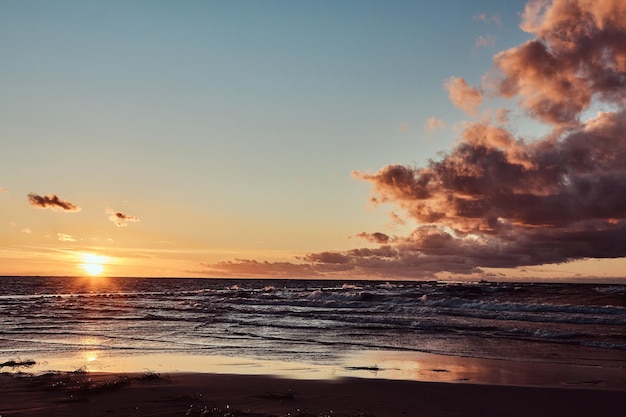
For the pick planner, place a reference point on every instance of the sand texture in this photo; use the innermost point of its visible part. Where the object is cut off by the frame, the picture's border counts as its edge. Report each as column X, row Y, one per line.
column 88, row 394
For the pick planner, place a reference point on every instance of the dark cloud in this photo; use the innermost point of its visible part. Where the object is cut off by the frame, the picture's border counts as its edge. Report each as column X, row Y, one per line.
column 120, row 219
column 243, row 268
column 484, row 183
column 51, row 201
column 328, row 258
column 375, row 237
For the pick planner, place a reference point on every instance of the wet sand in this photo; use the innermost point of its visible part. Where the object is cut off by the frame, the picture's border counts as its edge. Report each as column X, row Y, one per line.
column 189, row 394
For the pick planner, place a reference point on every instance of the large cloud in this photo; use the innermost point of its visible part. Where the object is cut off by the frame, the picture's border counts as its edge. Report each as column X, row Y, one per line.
column 51, row 201
column 579, row 54
column 491, row 180
column 499, row 200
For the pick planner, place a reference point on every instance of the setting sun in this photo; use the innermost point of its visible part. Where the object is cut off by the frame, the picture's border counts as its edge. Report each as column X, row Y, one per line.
column 93, row 264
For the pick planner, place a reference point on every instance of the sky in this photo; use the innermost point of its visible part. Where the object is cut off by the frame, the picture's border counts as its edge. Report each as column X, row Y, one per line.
column 328, row 139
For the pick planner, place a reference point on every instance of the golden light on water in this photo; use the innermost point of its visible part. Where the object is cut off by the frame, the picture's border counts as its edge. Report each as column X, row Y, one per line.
column 93, row 264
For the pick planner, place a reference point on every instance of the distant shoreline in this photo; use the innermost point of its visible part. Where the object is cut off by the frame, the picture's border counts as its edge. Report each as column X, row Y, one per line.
column 569, row 280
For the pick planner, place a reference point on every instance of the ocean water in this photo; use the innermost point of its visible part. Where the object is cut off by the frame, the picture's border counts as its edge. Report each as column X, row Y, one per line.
column 319, row 323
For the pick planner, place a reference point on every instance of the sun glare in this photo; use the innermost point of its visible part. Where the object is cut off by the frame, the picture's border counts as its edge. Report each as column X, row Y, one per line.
column 93, row 264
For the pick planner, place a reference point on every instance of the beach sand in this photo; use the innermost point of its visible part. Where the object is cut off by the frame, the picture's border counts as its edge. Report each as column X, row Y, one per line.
column 200, row 394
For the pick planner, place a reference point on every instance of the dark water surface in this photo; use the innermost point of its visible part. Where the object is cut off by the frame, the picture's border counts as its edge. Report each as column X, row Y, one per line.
column 308, row 321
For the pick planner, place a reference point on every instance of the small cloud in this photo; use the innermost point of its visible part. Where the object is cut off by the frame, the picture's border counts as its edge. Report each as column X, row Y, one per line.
column 375, row 237
column 432, row 124
column 4, row 190
column 483, row 17
column 396, row 219
column 27, row 231
column 404, row 126
column 487, row 41
column 12, row 224
column 464, row 96
column 51, row 201
column 503, row 116
column 120, row 219
column 65, row 238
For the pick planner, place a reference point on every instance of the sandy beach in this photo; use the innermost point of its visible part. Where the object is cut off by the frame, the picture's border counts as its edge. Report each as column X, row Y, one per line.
column 189, row 394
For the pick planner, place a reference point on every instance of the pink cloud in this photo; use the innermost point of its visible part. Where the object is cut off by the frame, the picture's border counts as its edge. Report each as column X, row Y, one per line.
column 579, row 54
column 463, row 96
column 483, row 17
column 487, row 41
column 432, row 124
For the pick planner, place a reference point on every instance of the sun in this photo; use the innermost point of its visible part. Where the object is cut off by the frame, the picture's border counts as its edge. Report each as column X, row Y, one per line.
column 93, row 264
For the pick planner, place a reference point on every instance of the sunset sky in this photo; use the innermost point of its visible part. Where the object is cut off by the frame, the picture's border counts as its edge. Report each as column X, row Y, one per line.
column 293, row 139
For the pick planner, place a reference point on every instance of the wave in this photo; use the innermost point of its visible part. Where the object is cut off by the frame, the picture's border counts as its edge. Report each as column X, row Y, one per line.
column 321, row 318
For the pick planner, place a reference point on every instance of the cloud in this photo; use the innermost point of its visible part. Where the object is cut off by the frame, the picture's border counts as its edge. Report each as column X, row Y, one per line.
column 243, row 268
column 483, row 17
column 376, row 237
column 27, row 231
column 4, row 190
column 463, row 96
column 51, row 201
column 578, row 54
column 396, row 219
column 487, row 41
column 432, row 124
column 499, row 200
column 65, row 238
column 120, row 219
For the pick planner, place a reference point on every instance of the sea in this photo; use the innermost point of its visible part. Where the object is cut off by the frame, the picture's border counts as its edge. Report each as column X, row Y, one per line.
column 409, row 330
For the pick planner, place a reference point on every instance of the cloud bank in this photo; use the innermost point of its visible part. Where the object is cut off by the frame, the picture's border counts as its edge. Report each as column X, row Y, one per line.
column 500, row 200
column 52, row 201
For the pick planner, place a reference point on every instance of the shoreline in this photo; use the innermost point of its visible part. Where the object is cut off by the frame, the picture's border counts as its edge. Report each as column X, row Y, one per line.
column 366, row 364
column 205, row 394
